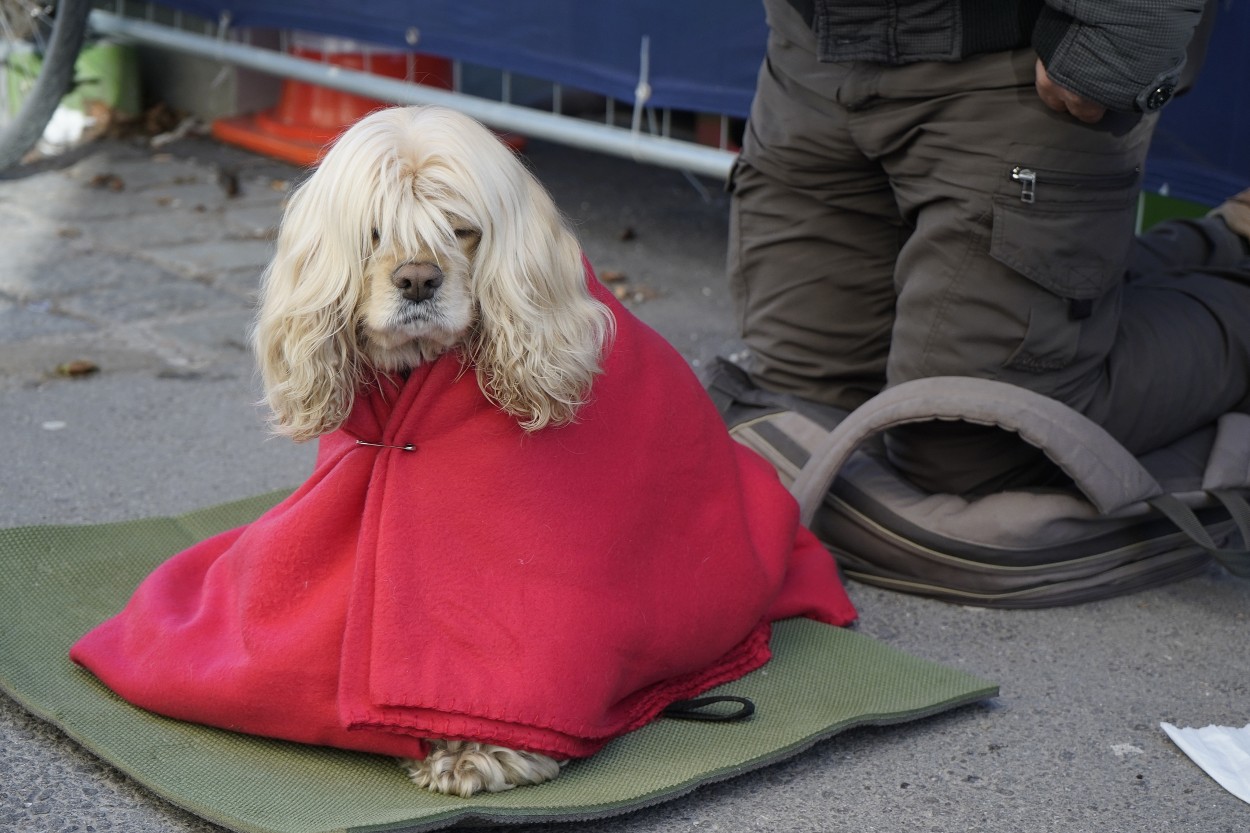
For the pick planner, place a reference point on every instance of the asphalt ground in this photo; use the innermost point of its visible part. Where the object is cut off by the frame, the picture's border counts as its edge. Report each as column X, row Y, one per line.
column 144, row 263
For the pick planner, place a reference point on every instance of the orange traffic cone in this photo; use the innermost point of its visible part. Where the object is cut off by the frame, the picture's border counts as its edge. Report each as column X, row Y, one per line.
column 308, row 117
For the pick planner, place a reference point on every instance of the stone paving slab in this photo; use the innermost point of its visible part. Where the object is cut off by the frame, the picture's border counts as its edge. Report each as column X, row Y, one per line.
column 21, row 322
column 154, row 270
column 208, row 259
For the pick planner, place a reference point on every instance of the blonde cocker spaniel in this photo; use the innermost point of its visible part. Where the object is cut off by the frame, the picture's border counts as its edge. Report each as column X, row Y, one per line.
column 421, row 233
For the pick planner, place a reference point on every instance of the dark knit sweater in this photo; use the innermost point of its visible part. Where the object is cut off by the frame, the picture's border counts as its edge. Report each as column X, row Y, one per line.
column 1125, row 55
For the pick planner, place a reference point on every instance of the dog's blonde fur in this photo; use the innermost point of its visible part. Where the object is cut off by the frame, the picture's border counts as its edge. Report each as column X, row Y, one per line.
column 420, row 233
column 425, row 184
column 460, row 768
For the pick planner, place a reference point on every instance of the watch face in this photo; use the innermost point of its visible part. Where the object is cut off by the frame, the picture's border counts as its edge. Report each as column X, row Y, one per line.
column 1159, row 96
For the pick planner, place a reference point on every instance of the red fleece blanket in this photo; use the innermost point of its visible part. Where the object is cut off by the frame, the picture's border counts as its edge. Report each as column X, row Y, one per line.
column 546, row 592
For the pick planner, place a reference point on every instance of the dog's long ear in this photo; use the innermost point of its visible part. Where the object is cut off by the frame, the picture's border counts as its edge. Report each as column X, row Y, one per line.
column 304, row 337
column 541, row 335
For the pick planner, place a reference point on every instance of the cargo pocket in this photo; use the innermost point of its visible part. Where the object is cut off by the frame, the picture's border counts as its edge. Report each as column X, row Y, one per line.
column 1065, row 221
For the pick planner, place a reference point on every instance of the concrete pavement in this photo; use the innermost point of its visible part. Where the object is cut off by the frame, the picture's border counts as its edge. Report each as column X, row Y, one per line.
column 144, row 264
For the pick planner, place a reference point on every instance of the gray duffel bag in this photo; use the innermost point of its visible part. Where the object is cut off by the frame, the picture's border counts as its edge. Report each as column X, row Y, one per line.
column 1128, row 523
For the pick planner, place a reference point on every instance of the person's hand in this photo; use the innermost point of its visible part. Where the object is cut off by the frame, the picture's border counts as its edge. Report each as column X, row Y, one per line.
column 1062, row 100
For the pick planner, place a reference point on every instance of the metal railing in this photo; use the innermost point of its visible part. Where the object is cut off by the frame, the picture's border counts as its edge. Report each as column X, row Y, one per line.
column 652, row 147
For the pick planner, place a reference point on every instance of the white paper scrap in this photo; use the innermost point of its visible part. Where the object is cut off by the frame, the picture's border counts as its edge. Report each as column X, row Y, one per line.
column 1222, row 751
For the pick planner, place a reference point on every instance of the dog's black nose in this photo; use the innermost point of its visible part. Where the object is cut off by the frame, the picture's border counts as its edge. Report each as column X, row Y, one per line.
column 418, row 281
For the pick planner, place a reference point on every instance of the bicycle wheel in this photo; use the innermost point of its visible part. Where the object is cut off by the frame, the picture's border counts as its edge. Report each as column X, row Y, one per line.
column 39, row 43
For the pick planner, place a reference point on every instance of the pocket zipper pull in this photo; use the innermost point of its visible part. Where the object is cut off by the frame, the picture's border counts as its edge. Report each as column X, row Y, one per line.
column 1028, row 183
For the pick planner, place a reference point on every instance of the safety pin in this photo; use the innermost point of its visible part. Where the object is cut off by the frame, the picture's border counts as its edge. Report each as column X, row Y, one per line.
column 408, row 447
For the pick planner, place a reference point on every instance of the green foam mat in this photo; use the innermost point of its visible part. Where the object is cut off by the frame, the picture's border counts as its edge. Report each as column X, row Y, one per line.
column 60, row 581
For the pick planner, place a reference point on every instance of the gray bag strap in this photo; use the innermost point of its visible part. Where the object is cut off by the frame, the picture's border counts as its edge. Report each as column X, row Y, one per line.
column 1228, row 467
column 1235, row 560
column 1105, row 472
column 1227, row 476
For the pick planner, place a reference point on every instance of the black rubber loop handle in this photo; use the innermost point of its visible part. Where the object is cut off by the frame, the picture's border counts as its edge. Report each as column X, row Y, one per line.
column 694, row 709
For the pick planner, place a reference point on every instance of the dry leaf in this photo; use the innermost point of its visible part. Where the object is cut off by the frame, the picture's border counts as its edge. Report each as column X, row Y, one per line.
column 107, row 181
column 77, row 368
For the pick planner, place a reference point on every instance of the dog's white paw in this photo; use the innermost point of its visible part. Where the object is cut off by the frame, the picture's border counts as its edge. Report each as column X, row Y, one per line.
column 454, row 767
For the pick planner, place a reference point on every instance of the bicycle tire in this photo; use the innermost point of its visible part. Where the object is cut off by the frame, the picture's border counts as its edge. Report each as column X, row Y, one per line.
column 56, row 74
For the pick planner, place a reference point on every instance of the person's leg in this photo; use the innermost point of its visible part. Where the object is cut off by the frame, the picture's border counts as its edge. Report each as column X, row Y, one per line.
column 990, row 285
column 1176, row 246
column 1182, row 353
column 1015, row 271
column 814, row 232
column 1016, row 234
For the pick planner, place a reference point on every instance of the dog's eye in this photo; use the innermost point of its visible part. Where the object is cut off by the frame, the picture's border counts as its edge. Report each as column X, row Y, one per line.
column 376, row 237
column 465, row 233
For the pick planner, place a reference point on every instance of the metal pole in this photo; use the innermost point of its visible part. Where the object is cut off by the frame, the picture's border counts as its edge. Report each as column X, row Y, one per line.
column 603, row 138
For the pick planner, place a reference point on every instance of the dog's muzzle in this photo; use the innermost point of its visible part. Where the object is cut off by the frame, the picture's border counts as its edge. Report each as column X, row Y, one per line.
column 417, row 282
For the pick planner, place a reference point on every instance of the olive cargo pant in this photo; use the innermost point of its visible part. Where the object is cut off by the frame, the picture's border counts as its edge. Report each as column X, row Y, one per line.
column 890, row 223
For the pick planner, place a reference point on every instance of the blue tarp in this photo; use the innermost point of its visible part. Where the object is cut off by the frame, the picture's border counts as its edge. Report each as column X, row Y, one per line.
column 704, row 55
column 1201, row 149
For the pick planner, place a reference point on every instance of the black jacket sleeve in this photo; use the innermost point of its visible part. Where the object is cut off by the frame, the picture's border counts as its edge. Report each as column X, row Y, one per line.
column 1124, row 54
